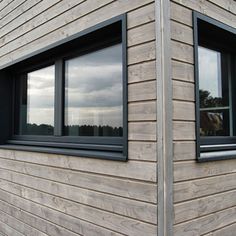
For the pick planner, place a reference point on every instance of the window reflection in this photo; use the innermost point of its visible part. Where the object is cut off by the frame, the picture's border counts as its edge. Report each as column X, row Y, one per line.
column 93, row 93
column 37, row 102
column 213, row 93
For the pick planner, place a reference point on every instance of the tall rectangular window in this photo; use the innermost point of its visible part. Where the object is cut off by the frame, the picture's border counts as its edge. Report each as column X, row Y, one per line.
column 215, row 67
column 93, row 93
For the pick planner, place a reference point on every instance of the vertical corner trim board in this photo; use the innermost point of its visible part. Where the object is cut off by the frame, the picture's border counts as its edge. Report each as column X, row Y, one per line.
column 164, row 117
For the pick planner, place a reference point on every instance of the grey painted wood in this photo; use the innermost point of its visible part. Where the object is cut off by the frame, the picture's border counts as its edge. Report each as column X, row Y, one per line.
column 141, row 15
column 141, row 111
column 164, row 118
column 102, row 183
column 182, row 71
column 113, row 221
column 141, row 34
column 182, row 33
column 20, row 226
column 207, row 223
column 203, row 206
column 141, row 72
column 126, row 207
column 142, row 151
column 198, row 188
column 50, row 218
column 142, row 91
column 181, row 14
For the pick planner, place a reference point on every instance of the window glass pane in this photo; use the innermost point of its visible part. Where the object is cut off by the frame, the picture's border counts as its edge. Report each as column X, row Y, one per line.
column 37, row 102
column 213, row 94
column 93, row 93
column 214, row 123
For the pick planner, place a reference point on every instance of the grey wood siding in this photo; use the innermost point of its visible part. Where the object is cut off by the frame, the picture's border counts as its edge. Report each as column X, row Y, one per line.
column 204, row 193
column 46, row 194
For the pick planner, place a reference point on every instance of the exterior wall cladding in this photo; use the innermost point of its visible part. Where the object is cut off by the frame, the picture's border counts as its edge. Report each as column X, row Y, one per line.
column 59, row 195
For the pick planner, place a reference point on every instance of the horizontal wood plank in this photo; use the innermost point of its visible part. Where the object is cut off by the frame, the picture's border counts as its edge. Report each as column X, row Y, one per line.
column 182, row 71
column 142, row 91
column 184, row 150
column 183, row 111
column 142, row 72
column 198, row 188
column 182, row 52
column 183, row 130
column 102, row 183
column 47, row 219
column 139, row 131
column 141, row 34
column 141, row 111
column 141, row 16
column 181, row 33
column 206, row 224
column 183, row 91
column 204, row 206
column 193, row 170
column 209, row 9
column 20, row 226
column 142, row 150
column 126, row 207
column 90, row 214
column 181, row 14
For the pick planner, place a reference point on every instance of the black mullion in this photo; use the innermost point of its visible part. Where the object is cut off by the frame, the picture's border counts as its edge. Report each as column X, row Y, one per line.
column 59, row 98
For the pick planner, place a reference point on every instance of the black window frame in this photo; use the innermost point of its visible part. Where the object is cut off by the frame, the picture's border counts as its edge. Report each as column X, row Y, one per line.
column 102, row 35
column 219, row 147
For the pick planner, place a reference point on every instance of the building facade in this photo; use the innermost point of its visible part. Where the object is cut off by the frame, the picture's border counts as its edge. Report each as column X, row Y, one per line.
column 156, row 175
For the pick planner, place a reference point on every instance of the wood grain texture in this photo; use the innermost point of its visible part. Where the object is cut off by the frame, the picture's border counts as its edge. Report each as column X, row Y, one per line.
column 36, row 222
column 182, row 52
column 49, row 220
column 227, row 231
column 141, row 111
column 142, row 72
column 141, row 16
column 192, row 170
column 181, row 14
column 182, row 71
column 7, row 230
column 184, row 151
column 142, row 150
column 206, row 224
column 183, row 130
column 141, row 53
column 209, row 9
column 142, row 91
column 126, row 207
column 16, row 13
column 19, row 226
column 182, row 33
column 183, row 111
column 145, row 131
column 183, row 91
column 198, row 188
column 132, row 169
column 114, row 222
column 203, row 206
column 102, row 183
column 141, row 34
column 228, row 5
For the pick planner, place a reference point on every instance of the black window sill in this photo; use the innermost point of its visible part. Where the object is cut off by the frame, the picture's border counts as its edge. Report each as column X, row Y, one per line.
column 98, row 154
column 217, row 152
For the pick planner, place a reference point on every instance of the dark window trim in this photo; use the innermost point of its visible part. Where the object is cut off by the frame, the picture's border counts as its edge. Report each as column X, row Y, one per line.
column 209, row 148
column 115, row 148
